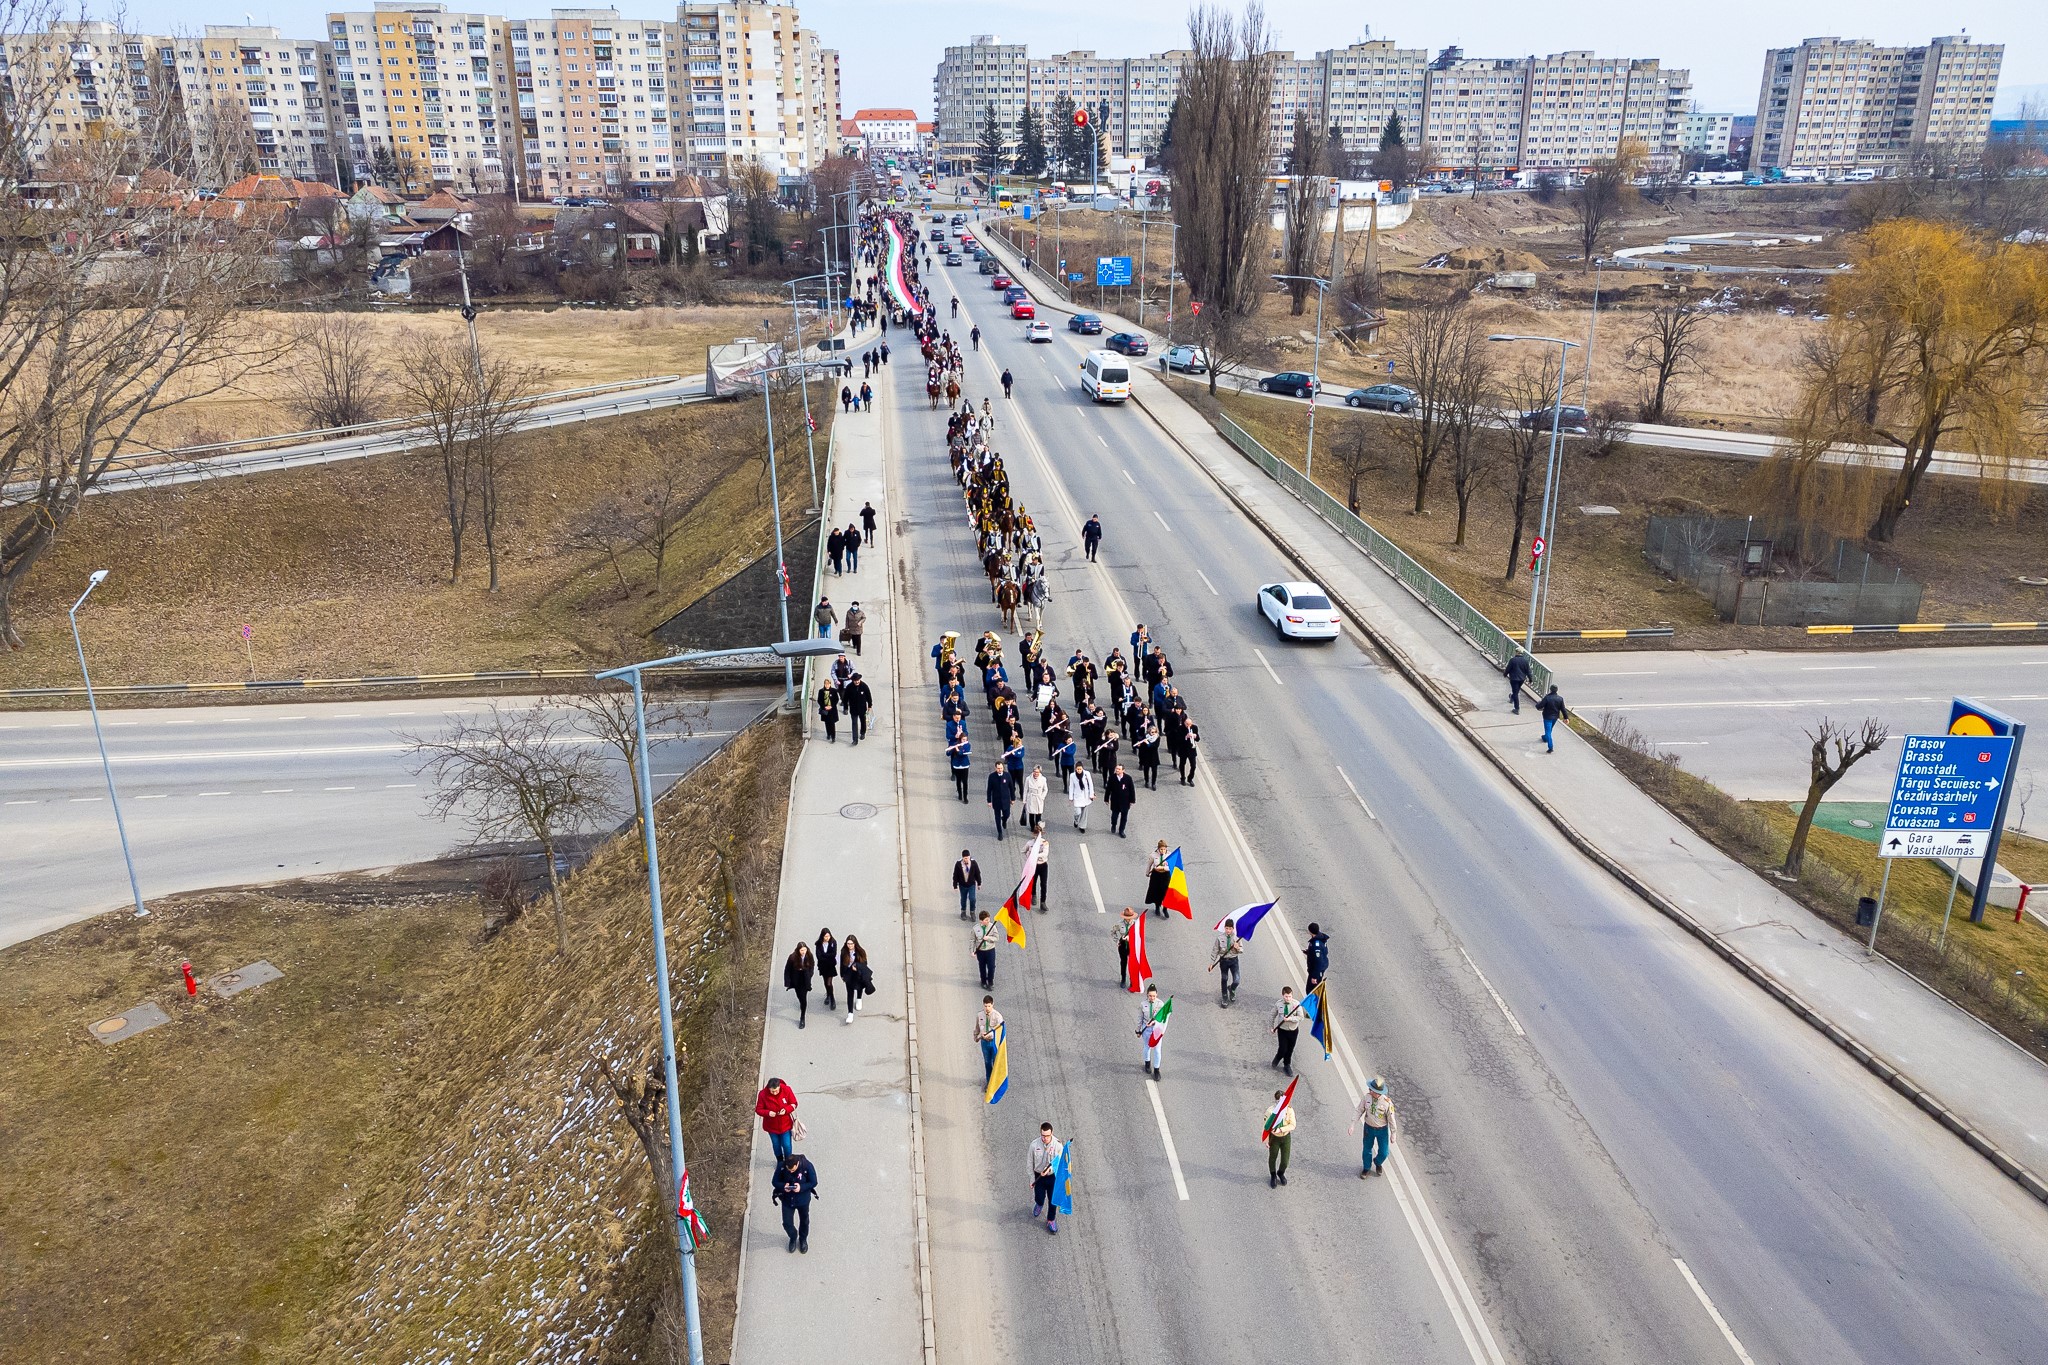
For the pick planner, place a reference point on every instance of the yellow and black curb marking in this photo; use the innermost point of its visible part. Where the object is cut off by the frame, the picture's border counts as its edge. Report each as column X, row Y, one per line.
column 1918, row 627
column 1636, row 634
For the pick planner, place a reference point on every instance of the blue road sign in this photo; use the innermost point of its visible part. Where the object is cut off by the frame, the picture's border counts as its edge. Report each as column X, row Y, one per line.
column 1111, row 270
column 1945, row 799
column 1966, row 717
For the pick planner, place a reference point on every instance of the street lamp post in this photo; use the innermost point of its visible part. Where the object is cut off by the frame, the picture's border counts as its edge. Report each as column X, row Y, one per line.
column 810, row 435
column 1546, row 521
column 775, row 496
column 1315, row 382
column 99, row 576
column 685, row 1243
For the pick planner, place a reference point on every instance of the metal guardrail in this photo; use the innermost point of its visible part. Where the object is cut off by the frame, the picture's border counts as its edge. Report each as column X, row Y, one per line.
column 1489, row 639
column 378, row 680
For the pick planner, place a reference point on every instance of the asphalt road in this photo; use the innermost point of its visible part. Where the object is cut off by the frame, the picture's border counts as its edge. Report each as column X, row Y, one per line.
column 1605, row 1130
column 222, row 796
column 1738, row 718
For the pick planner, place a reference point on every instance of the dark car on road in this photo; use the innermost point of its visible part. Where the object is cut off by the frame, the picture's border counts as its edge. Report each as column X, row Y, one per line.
column 954, row 258
column 1289, row 381
column 958, row 219
column 1015, row 292
column 1127, row 343
column 988, row 265
column 1085, row 323
column 1569, row 418
column 1382, row 397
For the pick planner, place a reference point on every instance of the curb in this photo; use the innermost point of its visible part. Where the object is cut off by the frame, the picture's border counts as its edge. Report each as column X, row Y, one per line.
column 2029, row 1180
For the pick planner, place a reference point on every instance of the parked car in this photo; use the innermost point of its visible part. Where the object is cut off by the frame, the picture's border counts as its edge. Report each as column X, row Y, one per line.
column 955, row 258
column 1037, row 331
column 1382, row 397
column 1001, row 281
column 1023, row 308
column 1087, row 324
column 1127, row 343
column 1186, row 359
column 1289, row 381
column 1299, row 610
column 988, row 265
column 1569, row 418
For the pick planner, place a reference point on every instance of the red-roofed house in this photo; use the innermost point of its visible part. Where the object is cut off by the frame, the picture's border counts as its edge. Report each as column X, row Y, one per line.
column 888, row 130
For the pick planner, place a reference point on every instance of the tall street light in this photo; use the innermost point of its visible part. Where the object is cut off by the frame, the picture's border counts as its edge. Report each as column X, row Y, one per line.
column 1315, row 382
column 810, row 435
column 1546, row 521
column 99, row 576
column 685, row 1243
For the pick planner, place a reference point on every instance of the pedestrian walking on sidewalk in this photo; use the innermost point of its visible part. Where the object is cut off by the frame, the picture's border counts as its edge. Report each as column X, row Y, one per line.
column 827, row 948
column 835, row 548
column 1045, row 1160
column 1279, row 1142
column 1091, row 535
column 858, row 698
column 1517, row 671
column 867, row 521
column 1316, row 956
column 999, row 799
column 1122, row 794
column 1224, row 953
column 987, row 934
column 1287, row 1018
column 967, row 881
column 796, row 1185
column 1040, row 863
column 1081, row 793
column 796, row 976
column 845, row 398
column 1035, row 787
column 1123, row 946
column 828, row 710
column 855, row 626
column 1158, row 875
column 855, row 972
column 1552, row 709
column 988, row 1027
column 1151, row 1013
column 849, row 540
column 960, row 753
column 1376, row 1112
column 825, row 615
column 776, row 1104
column 867, row 397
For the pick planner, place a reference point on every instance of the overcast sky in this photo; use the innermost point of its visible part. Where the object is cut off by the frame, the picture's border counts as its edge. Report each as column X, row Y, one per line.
column 889, row 48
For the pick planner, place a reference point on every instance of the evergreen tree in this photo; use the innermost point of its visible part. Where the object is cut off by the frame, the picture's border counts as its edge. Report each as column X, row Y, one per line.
column 988, row 152
column 1391, row 135
column 1301, row 151
column 1062, row 136
column 1030, row 143
column 1337, row 156
column 1162, row 155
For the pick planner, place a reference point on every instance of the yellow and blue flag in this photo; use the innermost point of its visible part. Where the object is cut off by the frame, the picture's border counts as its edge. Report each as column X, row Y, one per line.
column 1177, row 886
column 999, row 1074
column 1062, row 1177
column 1321, row 1027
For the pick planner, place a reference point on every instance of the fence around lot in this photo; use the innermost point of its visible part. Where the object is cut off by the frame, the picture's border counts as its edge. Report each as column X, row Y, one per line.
column 1840, row 585
column 1482, row 634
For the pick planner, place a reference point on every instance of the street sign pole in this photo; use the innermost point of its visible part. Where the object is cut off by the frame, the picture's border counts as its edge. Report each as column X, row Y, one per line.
column 1948, row 802
column 1967, row 717
column 1878, row 918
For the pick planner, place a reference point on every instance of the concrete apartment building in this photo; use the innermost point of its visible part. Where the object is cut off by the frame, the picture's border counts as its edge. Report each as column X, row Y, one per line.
column 594, row 110
column 425, row 97
column 972, row 76
column 1473, row 112
column 1706, row 134
column 1841, row 104
column 761, row 87
column 1578, row 108
column 251, row 92
column 83, row 79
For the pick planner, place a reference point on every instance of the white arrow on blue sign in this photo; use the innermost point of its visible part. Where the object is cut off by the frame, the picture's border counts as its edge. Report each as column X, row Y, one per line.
column 1945, row 798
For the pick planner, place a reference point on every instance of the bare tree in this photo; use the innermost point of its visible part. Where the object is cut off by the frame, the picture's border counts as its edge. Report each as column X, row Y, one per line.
column 1523, row 389
column 516, row 773
column 1606, row 423
column 668, row 493
column 1358, row 452
column 504, row 394
column 606, row 527
column 337, row 377
column 1302, row 214
column 1600, row 200
column 1467, row 414
column 607, row 712
column 1836, row 749
column 1432, row 352
column 1665, row 347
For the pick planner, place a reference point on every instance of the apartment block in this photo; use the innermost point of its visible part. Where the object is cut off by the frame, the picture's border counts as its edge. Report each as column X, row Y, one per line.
column 79, row 82
column 1578, row 108
column 1706, row 134
column 761, row 87
column 593, row 94
column 257, row 101
column 1365, row 84
column 972, row 76
column 1473, row 112
column 1836, row 104
column 425, row 97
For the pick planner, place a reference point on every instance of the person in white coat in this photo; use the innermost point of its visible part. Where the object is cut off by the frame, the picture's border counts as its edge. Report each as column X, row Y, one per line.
column 1080, row 791
column 1035, row 787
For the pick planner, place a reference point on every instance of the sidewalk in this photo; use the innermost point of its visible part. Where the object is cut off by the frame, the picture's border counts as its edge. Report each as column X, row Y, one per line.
column 858, row 1287
column 1983, row 1087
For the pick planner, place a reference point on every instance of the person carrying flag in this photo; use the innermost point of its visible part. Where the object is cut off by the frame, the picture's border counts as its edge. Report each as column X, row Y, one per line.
column 1224, row 953
column 1153, row 1015
column 1321, row 1025
column 1138, row 969
column 988, row 1031
column 1048, row 1155
column 1279, row 1135
column 1376, row 1112
column 987, row 933
column 1011, row 914
column 1287, row 1017
column 1176, row 897
column 1122, row 934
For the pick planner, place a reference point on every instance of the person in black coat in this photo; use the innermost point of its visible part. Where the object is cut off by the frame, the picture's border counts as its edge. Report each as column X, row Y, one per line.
column 855, row 972
column 999, row 798
column 1517, row 673
column 796, row 976
column 1091, row 535
column 835, row 547
column 1317, row 953
column 796, row 1185
column 1122, row 794
column 828, row 710
column 858, row 699
column 867, row 521
column 1146, row 746
column 828, row 963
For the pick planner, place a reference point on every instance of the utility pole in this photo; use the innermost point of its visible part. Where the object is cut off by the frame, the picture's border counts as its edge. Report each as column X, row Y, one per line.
column 106, row 766
column 1546, row 521
column 1315, row 382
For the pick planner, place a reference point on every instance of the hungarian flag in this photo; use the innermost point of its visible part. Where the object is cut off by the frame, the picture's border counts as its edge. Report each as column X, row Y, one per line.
column 1156, row 1030
column 686, row 1210
column 1279, row 1106
column 1140, row 968
column 999, row 1075
column 1177, row 886
column 1322, row 1028
column 1247, row 919
column 1011, row 916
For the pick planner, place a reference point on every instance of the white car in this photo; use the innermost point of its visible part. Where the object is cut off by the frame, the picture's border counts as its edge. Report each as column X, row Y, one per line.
column 1038, row 331
column 1300, row 611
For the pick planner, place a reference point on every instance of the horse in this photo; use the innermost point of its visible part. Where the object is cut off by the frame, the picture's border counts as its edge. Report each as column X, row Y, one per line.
column 931, row 393
column 952, row 392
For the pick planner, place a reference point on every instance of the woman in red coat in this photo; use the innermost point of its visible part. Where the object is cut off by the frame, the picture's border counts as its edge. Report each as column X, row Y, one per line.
column 776, row 1104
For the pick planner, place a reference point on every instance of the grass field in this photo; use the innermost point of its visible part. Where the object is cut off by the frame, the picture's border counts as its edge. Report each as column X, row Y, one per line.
column 343, row 569
column 402, row 1148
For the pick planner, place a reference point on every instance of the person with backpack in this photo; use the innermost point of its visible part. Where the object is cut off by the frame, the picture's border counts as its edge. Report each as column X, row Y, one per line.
column 796, row 1185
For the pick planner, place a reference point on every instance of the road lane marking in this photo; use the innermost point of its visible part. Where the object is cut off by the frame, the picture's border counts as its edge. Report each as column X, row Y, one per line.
column 21, row 803
column 1180, row 1183
column 1105, row 444
column 1127, row 479
column 278, row 791
column 216, row 793
column 181, row 722
column 120, row 724
column 1513, row 1023
column 88, row 798
column 1356, row 797
column 153, row 796
column 208, row 755
column 1832, row 668
column 1161, row 520
column 337, row 789
column 1261, row 657
column 399, row 786
column 1624, row 673
column 1676, row 742
column 1094, row 889
column 1727, row 1332
column 1207, row 584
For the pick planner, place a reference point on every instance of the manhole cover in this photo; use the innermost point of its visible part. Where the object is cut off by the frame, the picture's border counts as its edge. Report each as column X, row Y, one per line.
column 110, row 1025
column 1863, row 824
column 858, row 810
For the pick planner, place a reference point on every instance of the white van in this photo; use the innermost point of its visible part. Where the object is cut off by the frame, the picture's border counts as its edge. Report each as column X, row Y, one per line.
column 1106, row 376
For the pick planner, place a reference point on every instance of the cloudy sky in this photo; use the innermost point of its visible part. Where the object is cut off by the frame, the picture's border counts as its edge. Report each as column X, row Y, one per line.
column 889, row 48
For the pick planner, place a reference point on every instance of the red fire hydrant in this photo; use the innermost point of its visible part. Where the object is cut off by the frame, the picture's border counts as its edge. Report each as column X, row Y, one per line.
column 191, row 986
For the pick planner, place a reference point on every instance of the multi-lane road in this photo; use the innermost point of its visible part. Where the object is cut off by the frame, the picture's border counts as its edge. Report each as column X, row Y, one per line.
column 1613, row 1149
column 226, row 795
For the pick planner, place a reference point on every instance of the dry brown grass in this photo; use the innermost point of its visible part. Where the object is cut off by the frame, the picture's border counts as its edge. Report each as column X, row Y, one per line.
column 403, row 1145
column 343, row 569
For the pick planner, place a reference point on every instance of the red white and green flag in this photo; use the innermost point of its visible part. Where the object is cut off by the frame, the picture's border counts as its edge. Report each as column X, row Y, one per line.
column 1279, row 1107
column 1156, row 1030
column 686, row 1210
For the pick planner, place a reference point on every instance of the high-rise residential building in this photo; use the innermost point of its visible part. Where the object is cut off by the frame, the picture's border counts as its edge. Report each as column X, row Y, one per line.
column 425, row 97
column 594, row 95
column 1578, row 108
column 1368, row 83
column 1841, row 104
column 761, row 87
column 973, row 76
column 78, row 81
column 258, row 101
column 1473, row 111
column 1706, row 134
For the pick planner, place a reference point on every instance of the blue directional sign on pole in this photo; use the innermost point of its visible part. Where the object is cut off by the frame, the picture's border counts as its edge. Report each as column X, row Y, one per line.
column 1111, row 270
column 1945, row 799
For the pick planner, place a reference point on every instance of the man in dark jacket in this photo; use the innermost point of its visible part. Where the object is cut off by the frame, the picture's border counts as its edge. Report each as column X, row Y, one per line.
column 857, row 698
column 1122, row 794
column 1091, row 536
column 1552, row 709
column 867, row 522
column 1318, row 954
column 796, row 1184
column 999, row 798
column 1518, row 673
column 967, row 881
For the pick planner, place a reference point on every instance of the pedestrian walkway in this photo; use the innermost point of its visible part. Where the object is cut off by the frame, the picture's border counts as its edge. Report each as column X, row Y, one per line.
column 858, row 1286
column 1993, row 1093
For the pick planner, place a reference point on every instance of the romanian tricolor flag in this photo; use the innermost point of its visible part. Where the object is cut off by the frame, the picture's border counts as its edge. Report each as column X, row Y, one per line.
column 1279, row 1108
column 686, row 1210
column 1322, row 1028
column 999, row 1074
column 1011, row 916
column 1140, row 966
column 1177, row 886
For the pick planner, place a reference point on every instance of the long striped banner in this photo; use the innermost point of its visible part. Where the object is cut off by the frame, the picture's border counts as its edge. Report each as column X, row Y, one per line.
column 1919, row 627
column 893, row 276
